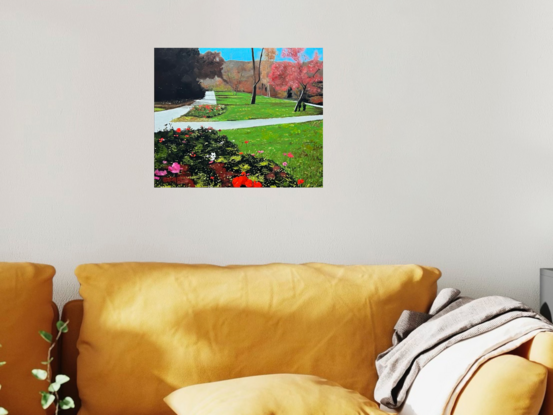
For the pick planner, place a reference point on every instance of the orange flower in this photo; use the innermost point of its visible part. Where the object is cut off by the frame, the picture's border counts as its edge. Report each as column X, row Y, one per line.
column 238, row 153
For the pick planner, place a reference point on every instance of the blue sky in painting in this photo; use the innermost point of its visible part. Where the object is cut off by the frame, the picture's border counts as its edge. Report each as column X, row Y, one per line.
column 245, row 54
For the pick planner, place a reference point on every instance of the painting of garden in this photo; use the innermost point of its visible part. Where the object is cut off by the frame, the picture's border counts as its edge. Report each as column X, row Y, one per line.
column 238, row 117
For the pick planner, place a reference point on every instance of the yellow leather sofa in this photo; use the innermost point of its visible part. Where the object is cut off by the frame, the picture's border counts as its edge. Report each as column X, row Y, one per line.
column 145, row 330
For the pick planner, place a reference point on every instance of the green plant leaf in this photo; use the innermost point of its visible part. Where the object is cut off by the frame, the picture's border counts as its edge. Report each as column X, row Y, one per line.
column 54, row 387
column 62, row 326
column 39, row 374
column 2, row 363
column 3, row 411
column 67, row 403
column 46, row 400
column 61, row 379
column 48, row 361
column 46, row 336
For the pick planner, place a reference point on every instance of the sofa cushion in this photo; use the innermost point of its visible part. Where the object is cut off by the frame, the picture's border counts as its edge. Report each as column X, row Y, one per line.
column 505, row 385
column 151, row 328
column 540, row 350
column 280, row 394
column 25, row 309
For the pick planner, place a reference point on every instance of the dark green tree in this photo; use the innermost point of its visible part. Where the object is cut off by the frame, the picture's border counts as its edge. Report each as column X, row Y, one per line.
column 175, row 74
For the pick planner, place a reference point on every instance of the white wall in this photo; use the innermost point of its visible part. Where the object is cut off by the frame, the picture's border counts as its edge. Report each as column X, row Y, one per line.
column 438, row 138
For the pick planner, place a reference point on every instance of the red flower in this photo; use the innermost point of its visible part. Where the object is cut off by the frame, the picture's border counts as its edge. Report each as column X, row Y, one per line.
column 161, row 140
column 211, row 177
column 239, row 181
column 178, row 130
column 238, row 153
column 219, row 130
column 300, row 181
column 243, row 181
column 246, row 142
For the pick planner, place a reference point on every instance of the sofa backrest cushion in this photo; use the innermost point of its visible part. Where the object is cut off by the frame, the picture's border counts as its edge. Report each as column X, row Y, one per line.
column 150, row 328
column 25, row 309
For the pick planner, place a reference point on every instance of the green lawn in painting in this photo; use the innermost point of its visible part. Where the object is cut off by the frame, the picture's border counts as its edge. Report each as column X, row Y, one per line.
column 158, row 109
column 239, row 108
column 304, row 141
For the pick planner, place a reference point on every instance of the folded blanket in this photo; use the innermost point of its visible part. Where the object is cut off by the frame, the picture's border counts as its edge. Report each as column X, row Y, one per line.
column 439, row 383
column 420, row 337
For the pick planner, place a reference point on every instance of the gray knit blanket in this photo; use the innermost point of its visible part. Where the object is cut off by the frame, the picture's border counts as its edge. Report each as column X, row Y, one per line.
column 419, row 337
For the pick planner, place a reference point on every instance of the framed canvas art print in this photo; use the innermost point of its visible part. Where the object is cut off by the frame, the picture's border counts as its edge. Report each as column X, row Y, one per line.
column 238, row 117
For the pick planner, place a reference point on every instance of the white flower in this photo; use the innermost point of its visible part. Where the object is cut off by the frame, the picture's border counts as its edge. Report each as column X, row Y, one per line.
column 213, row 156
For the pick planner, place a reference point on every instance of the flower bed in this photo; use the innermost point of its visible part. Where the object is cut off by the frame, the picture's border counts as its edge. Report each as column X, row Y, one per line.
column 206, row 158
column 206, row 111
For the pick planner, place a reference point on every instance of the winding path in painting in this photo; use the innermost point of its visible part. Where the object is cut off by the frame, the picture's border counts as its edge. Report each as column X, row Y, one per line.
column 163, row 118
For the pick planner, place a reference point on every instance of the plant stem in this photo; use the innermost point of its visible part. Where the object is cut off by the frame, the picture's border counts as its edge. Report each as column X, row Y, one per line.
column 48, row 368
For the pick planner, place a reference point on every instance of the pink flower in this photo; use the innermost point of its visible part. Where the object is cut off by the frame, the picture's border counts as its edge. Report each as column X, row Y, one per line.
column 155, row 177
column 175, row 168
column 160, row 172
column 260, row 151
column 210, row 128
column 284, row 154
column 284, row 164
column 164, row 162
column 290, row 155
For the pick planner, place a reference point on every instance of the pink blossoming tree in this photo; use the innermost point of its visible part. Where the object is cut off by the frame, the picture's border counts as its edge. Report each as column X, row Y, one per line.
column 301, row 73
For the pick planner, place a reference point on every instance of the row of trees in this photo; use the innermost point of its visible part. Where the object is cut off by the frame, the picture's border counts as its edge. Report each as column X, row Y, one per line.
column 299, row 73
column 178, row 73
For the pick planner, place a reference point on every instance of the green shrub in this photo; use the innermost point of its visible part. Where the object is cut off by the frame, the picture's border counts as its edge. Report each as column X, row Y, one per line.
column 206, row 111
column 205, row 158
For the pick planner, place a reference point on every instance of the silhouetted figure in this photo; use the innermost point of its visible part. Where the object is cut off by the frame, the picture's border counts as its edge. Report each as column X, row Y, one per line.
column 304, row 105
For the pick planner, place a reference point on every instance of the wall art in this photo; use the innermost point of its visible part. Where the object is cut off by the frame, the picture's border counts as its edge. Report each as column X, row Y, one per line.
column 238, row 117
